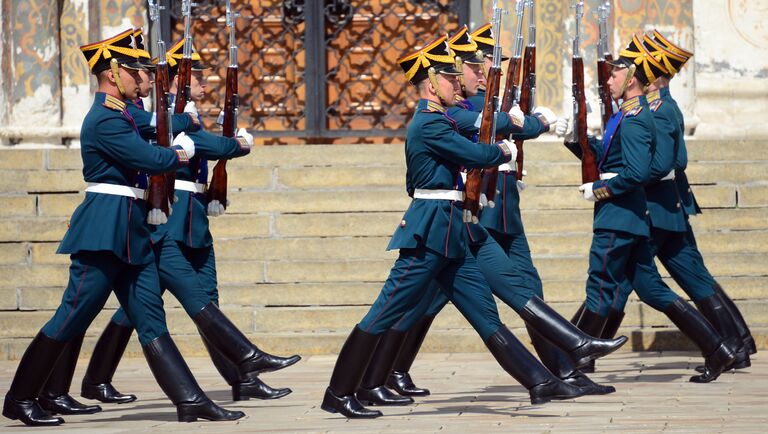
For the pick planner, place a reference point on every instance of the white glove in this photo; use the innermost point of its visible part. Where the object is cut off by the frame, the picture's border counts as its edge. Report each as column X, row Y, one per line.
column 156, row 217
column 191, row 108
column 586, row 189
column 483, row 200
column 563, row 127
column 512, row 148
column 517, row 115
column 520, row 186
column 242, row 132
column 549, row 116
column 215, row 208
column 187, row 144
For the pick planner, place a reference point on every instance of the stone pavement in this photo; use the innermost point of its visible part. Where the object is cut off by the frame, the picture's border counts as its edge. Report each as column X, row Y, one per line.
column 471, row 394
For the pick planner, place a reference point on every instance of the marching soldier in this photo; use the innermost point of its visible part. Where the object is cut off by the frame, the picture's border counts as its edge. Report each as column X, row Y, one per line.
column 433, row 246
column 671, row 241
column 187, row 267
column 621, row 251
column 109, row 243
column 508, row 279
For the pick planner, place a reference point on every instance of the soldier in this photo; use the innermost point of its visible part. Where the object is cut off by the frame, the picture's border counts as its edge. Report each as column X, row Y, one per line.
column 508, row 278
column 186, row 263
column 109, row 243
column 621, row 252
column 671, row 235
column 432, row 244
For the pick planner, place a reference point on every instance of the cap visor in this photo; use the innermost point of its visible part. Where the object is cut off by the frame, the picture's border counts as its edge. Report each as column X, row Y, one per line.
column 199, row 66
column 619, row 63
column 132, row 64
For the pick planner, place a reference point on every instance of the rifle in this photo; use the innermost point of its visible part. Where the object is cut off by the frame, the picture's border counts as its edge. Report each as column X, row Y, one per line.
column 217, row 190
column 528, row 88
column 510, row 97
column 589, row 172
column 161, row 187
column 185, row 66
column 603, row 67
column 475, row 181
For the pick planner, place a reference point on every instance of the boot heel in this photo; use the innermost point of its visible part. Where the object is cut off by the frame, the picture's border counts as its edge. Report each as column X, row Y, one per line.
column 328, row 404
column 183, row 416
column 236, row 396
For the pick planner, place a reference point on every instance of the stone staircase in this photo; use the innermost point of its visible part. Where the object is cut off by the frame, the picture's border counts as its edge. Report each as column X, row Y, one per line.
column 301, row 252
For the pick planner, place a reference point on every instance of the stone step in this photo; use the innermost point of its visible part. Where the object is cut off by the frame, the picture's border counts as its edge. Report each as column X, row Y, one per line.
column 341, row 293
column 277, row 323
column 242, row 272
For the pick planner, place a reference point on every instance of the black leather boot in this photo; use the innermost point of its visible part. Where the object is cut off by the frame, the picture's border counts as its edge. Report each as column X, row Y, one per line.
column 738, row 319
column 351, row 364
column 109, row 349
column 581, row 347
column 591, row 323
column 542, row 385
column 589, row 367
column 235, row 346
column 55, row 397
column 174, row 377
column 714, row 310
column 612, row 324
column 35, row 367
column 558, row 363
column 717, row 355
column 372, row 390
column 399, row 379
column 242, row 390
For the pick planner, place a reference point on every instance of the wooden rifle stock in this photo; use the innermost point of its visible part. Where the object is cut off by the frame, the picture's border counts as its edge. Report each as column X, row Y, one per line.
column 161, row 187
column 217, row 189
column 183, row 89
column 526, row 95
column 606, row 102
column 589, row 172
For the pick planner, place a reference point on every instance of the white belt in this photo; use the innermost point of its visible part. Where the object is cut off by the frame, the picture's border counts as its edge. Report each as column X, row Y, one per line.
column 506, row 167
column 607, row 175
column 194, row 187
column 669, row 176
column 421, row 193
column 115, row 189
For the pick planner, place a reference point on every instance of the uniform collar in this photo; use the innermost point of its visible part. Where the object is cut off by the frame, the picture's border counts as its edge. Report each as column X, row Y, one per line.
column 664, row 92
column 653, row 96
column 430, row 106
column 633, row 102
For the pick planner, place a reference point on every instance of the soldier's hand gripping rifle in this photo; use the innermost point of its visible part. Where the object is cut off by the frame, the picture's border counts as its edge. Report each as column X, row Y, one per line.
column 589, row 172
column 475, row 182
column 528, row 88
column 217, row 190
column 603, row 67
column 511, row 96
column 161, row 186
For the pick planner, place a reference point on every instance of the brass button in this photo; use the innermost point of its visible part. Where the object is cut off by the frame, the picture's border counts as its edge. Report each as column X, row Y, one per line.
column 402, row 223
column 678, row 204
column 647, row 212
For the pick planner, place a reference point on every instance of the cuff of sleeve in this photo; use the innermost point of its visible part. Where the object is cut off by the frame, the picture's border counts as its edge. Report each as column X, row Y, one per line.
column 544, row 123
column 505, row 150
column 181, row 155
column 518, row 123
column 601, row 191
column 244, row 146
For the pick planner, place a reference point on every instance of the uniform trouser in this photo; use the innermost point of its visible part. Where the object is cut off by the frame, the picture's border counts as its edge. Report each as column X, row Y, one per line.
column 678, row 253
column 92, row 276
column 506, row 266
column 622, row 260
column 408, row 283
column 190, row 275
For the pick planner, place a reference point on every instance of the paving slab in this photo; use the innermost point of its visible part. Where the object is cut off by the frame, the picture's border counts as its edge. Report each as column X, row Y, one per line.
column 470, row 394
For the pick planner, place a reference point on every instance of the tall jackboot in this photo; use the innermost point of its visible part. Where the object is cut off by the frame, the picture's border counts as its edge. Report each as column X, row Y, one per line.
column 717, row 355
column 714, row 310
column 577, row 315
column 35, row 367
column 612, row 323
column 242, row 390
column 55, row 397
column 109, row 349
column 235, row 346
column 741, row 325
column 400, row 378
column 558, row 362
column 351, row 364
column 581, row 347
column 542, row 385
column 372, row 389
column 592, row 324
column 174, row 377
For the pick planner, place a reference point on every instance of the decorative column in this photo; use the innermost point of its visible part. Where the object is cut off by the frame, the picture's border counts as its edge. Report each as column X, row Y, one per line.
column 75, row 75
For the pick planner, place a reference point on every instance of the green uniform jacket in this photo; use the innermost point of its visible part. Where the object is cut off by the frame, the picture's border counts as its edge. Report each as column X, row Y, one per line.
column 663, row 198
column 114, row 153
column 690, row 206
column 434, row 153
column 626, row 150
